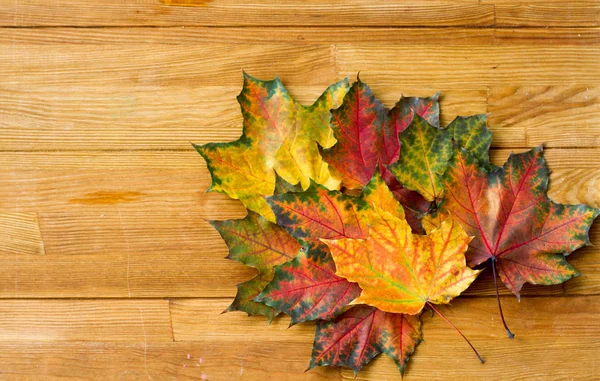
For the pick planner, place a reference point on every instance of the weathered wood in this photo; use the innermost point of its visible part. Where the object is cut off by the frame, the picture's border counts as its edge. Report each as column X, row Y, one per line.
column 557, row 116
column 450, row 67
column 20, row 234
column 551, row 13
column 85, row 320
column 253, row 13
column 221, row 361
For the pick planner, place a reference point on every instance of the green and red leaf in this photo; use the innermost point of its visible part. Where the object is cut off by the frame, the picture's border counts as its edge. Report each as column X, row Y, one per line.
column 258, row 243
column 361, row 333
column 307, row 287
column 513, row 220
column 358, row 126
column 320, row 213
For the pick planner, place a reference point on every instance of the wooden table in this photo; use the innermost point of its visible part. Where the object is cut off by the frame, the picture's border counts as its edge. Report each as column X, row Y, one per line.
column 109, row 270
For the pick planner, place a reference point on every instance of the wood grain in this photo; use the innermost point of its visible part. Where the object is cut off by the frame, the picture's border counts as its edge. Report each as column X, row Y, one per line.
column 554, row 13
column 570, row 112
column 458, row 67
column 253, row 360
column 20, row 234
column 85, row 320
column 251, row 13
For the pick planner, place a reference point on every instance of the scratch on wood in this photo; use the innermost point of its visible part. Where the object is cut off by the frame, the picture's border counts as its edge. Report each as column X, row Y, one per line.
column 145, row 340
column 186, row 3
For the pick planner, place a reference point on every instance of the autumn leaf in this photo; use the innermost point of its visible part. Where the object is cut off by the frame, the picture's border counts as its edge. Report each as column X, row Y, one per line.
column 279, row 135
column 367, row 133
column 320, row 213
column 472, row 134
column 361, row 333
column 307, row 287
column 377, row 194
column 401, row 272
column 515, row 224
column 257, row 243
column 358, row 126
column 424, row 157
column 400, row 118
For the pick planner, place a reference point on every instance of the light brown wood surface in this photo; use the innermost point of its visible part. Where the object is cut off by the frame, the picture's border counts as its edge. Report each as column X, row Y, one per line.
column 109, row 270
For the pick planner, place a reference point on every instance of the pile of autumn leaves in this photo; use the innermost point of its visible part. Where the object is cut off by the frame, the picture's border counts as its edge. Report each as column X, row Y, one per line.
column 360, row 216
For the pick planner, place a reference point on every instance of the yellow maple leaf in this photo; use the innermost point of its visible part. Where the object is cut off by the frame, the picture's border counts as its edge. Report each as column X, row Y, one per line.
column 401, row 272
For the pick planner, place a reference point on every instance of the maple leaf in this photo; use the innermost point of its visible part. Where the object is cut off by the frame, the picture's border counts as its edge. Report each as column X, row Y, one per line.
column 320, row 213
column 515, row 224
column 257, row 243
column 361, row 333
column 307, row 287
column 472, row 134
column 424, row 157
column 367, row 133
column 279, row 135
column 401, row 272
column 400, row 118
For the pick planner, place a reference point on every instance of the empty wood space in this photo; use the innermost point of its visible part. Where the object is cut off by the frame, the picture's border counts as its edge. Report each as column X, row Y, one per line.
column 109, row 269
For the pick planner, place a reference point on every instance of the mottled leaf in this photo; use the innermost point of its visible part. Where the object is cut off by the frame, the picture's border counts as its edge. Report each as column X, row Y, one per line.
column 320, row 213
column 361, row 333
column 367, row 133
column 401, row 272
column 472, row 134
column 513, row 220
column 424, row 157
column 307, row 288
column 279, row 134
column 257, row 243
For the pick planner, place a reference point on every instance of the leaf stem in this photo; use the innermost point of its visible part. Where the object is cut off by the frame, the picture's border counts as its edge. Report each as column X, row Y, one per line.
column 508, row 332
column 457, row 330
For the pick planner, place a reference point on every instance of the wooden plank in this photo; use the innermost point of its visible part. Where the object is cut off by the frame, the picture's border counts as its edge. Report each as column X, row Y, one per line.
column 544, row 328
column 254, row 360
column 558, row 116
column 116, row 254
column 250, row 13
column 546, row 36
column 77, row 67
column 20, row 234
column 131, row 223
column 290, row 35
column 85, row 320
column 459, row 67
column 550, row 13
